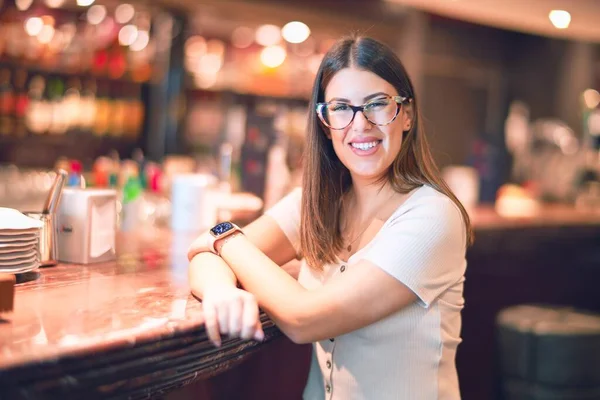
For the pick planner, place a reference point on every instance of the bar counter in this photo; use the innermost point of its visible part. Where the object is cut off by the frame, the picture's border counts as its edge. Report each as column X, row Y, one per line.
column 124, row 329
column 131, row 329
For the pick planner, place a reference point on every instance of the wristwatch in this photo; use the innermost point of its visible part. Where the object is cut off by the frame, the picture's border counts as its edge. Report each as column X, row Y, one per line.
column 220, row 231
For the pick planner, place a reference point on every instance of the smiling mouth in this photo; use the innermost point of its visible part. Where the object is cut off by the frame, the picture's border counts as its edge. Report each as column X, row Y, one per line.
column 365, row 146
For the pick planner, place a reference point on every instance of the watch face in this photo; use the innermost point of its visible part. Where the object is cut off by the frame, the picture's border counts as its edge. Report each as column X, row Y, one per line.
column 221, row 228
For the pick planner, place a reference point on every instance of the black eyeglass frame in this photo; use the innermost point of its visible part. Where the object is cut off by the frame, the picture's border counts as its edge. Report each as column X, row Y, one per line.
column 400, row 100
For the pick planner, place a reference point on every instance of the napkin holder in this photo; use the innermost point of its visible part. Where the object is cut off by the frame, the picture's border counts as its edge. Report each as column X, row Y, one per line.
column 87, row 225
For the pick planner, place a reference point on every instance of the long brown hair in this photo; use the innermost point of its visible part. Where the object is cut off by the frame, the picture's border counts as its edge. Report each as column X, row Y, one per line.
column 326, row 179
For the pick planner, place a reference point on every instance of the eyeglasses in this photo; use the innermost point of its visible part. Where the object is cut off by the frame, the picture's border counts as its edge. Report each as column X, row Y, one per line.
column 380, row 111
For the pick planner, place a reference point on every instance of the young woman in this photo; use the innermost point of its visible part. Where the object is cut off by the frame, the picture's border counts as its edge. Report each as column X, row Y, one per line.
column 381, row 237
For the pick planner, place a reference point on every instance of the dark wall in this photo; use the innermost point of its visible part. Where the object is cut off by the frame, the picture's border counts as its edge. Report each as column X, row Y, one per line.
column 464, row 93
column 472, row 73
column 533, row 72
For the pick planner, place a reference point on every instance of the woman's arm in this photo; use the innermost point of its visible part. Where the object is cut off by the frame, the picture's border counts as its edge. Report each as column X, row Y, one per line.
column 227, row 309
column 420, row 255
column 264, row 233
column 345, row 304
column 207, row 270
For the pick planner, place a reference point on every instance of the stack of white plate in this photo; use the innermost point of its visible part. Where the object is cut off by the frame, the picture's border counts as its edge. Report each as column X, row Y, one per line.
column 19, row 242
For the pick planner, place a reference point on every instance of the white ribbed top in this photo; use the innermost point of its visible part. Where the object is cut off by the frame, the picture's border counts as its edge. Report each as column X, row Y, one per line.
column 410, row 354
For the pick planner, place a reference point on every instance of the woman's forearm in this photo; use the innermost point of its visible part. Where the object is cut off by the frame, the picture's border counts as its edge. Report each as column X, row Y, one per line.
column 280, row 295
column 207, row 270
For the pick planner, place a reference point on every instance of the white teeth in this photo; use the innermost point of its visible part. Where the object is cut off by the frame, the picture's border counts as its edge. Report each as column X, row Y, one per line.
column 365, row 146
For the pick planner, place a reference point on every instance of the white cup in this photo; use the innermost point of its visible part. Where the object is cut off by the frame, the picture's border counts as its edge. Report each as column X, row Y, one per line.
column 193, row 203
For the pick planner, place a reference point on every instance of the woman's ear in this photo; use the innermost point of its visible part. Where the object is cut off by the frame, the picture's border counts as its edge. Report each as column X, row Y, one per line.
column 408, row 112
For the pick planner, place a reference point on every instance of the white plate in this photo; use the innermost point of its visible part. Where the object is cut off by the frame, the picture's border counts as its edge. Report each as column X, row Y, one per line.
column 18, row 237
column 15, row 262
column 19, row 232
column 27, row 267
column 4, row 251
column 17, row 255
column 18, row 245
column 14, row 219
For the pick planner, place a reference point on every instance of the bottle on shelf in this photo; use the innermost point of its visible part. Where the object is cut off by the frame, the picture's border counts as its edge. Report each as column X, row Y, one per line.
column 103, row 110
column 55, row 93
column 21, row 103
column 87, row 106
column 6, row 103
column 135, row 113
column 39, row 113
column 71, row 103
column 75, row 177
column 116, row 122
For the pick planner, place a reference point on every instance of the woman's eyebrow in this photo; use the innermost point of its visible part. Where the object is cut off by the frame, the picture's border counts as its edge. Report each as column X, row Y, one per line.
column 367, row 98
column 372, row 96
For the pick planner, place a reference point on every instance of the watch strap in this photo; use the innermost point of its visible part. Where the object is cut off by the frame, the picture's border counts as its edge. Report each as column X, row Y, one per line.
column 221, row 231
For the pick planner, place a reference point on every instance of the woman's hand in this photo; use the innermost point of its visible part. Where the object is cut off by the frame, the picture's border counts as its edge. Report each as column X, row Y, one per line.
column 232, row 311
column 199, row 245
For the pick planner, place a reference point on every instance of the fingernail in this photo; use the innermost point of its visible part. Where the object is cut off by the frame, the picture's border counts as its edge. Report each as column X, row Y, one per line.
column 217, row 343
column 259, row 336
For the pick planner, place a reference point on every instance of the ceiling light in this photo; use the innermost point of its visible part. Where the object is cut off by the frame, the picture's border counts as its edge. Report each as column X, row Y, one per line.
column 295, row 32
column 127, row 35
column 124, row 13
column 46, row 34
column 273, row 56
column 96, row 14
column 33, row 26
column 54, row 3
column 242, row 37
column 142, row 40
column 195, row 47
column 591, row 98
column 23, row 5
column 268, row 35
column 85, row 3
column 560, row 18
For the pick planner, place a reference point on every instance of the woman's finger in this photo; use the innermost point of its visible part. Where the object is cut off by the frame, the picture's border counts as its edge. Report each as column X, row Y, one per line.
column 211, row 323
column 259, row 334
column 249, row 317
column 223, row 317
column 235, row 317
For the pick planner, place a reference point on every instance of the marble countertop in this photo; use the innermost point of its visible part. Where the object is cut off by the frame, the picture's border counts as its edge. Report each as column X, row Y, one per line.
column 126, row 328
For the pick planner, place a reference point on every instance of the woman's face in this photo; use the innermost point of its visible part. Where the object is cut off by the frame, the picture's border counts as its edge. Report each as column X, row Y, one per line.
column 366, row 149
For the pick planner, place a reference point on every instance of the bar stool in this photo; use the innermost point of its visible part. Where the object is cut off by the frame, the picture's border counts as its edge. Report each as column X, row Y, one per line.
column 548, row 353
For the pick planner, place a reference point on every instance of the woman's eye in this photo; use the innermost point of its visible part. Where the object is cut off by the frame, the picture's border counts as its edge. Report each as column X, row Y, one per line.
column 377, row 104
column 338, row 107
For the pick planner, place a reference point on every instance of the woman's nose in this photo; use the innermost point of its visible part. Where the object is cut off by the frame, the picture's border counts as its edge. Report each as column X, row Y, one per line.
column 361, row 123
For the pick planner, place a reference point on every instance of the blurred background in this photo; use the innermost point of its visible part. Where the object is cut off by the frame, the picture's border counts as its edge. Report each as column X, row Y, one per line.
column 111, row 91
column 196, row 110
